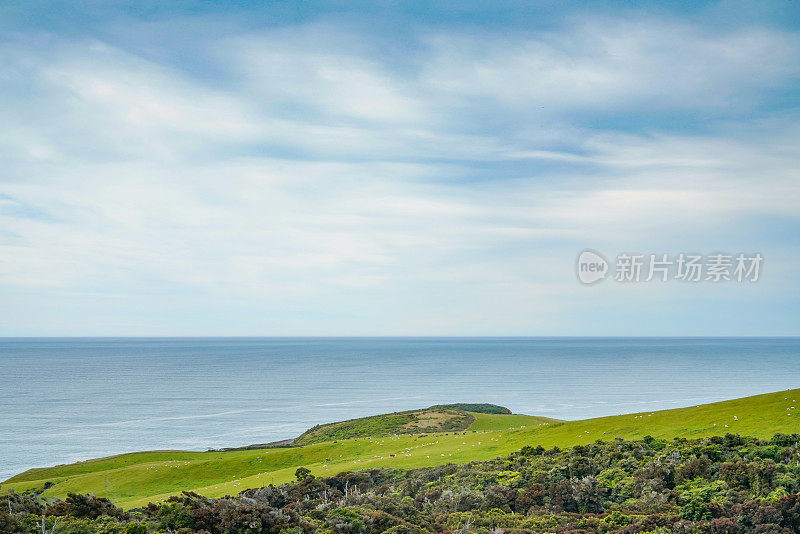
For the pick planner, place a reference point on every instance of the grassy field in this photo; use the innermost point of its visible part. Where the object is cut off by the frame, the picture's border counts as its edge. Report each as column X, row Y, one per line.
column 138, row 478
column 504, row 422
column 440, row 418
column 411, row 422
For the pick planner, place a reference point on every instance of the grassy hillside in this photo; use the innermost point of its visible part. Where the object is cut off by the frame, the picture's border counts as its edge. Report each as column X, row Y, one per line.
column 503, row 422
column 135, row 479
column 439, row 418
column 476, row 408
column 436, row 419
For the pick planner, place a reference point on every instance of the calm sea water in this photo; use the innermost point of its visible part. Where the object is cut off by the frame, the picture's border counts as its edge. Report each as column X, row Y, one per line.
column 73, row 399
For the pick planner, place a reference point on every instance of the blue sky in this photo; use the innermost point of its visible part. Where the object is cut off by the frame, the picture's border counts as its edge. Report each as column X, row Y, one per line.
column 393, row 168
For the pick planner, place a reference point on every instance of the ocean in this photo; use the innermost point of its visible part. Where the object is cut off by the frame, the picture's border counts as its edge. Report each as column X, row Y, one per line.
column 63, row 400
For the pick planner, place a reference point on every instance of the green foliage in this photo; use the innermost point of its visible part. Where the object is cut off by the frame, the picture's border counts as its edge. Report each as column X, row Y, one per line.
column 173, row 516
column 776, row 495
column 617, row 519
column 475, row 408
column 701, row 490
column 695, row 510
column 405, row 529
column 598, row 488
column 135, row 528
column 508, row 478
column 345, row 520
column 344, row 513
column 609, row 478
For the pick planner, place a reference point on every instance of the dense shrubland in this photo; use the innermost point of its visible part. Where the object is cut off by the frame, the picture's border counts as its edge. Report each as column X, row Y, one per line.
column 476, row 407
column 721, row 485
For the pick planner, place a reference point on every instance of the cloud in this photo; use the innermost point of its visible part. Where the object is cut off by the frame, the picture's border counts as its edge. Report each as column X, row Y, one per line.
column 611, row 65
column 295, row 72
column 313, row 173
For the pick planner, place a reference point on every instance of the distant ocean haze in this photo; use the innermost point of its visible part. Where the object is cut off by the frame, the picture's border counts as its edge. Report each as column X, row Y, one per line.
column 63, row 400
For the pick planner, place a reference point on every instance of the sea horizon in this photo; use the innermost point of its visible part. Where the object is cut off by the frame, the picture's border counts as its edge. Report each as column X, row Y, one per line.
column 11, row 338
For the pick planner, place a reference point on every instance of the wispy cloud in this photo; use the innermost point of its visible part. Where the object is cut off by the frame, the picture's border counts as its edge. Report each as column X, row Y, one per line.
column 442, row 190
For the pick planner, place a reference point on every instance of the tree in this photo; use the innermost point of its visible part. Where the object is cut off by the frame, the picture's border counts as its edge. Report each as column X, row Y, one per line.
column 303, row 473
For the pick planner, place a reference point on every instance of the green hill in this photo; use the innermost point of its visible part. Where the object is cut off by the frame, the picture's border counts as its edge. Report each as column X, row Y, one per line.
column 138, row 478
column 439, row 418
column 410, row 422
column 475, row 408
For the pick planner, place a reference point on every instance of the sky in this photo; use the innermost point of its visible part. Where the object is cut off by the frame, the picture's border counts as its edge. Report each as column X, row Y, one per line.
column 394, row 168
